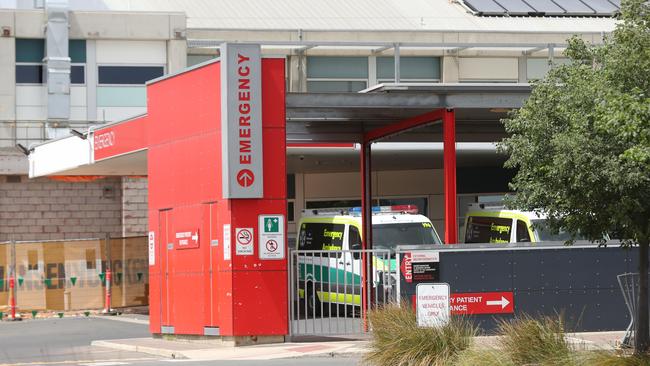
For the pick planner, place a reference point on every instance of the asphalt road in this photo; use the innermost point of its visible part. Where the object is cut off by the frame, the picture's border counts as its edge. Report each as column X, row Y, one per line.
column 53, row 340
column 66, row 341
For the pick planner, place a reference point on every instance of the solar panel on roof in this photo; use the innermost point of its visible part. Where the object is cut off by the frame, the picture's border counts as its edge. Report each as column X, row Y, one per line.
column 515, row 7
column 602, row 6
column 487, row 7
column 545, row 6
column 575, row 7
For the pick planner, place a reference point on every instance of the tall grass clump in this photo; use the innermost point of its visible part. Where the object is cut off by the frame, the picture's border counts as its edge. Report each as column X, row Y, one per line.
column 397, row 340
column 526, row 340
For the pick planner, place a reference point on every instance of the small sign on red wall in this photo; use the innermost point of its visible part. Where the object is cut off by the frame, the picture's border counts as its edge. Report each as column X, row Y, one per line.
column 187, row 239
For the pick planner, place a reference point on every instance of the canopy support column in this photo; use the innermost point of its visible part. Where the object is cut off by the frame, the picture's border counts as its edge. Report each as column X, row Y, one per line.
column 366, row 223
column 449, row 146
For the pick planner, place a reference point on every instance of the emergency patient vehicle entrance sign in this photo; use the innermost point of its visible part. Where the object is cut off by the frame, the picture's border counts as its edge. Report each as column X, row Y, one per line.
column 271, row 236
column 244, row 241
column 432, row 304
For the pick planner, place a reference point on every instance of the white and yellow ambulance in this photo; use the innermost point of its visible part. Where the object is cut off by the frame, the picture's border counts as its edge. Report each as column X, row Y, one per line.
column 494, row 224
column 334, row 275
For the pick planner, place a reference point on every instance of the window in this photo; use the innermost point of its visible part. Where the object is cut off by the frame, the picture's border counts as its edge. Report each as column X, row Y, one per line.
column 30, row 50
column 29, row 61
column 388, row 236
column 78, row 74
column 197, row 59
column 355, row 238
column 29, row 74
column 336, row 74
column 537, row 68
column 128, row 75
column 522, row 232
column 290, row 211
column 488, row 230
column 411, row 69
column 544, row 233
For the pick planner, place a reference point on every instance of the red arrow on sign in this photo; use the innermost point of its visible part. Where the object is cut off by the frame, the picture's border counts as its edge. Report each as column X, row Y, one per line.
column 482, row 303
column 245, row 177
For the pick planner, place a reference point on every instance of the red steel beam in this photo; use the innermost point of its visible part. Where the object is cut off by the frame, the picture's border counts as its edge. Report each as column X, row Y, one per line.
column 403, row 125
column 449, row 171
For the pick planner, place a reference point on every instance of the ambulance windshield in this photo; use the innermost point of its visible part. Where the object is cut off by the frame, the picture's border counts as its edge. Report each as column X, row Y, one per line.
column 388, row 236
column 545, row 234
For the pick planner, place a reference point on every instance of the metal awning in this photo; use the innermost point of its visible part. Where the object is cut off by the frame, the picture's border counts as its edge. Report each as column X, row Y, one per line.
column 344, row 117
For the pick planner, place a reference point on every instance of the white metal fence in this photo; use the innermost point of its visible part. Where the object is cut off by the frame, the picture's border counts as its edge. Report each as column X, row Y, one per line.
column 332, row 290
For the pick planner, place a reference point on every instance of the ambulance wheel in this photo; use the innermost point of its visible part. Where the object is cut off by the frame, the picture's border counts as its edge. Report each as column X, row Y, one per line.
column 313, row 303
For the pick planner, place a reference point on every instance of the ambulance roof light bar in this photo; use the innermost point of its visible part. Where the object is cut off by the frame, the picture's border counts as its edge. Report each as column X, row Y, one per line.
column 325, row 211
column 356, row 211
column 411, row 209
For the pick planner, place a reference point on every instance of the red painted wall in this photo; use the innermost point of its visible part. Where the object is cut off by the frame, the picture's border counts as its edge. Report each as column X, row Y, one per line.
column 193, row 288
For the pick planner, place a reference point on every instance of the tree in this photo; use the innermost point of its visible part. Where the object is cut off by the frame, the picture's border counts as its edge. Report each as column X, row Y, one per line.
column 581, row 143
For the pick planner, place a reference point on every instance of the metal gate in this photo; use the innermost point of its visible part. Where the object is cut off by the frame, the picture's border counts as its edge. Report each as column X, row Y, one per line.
column 332, row 290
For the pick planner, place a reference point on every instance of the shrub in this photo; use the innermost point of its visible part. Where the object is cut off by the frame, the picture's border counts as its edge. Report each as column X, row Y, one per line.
column 526, row 340
column 397, row 340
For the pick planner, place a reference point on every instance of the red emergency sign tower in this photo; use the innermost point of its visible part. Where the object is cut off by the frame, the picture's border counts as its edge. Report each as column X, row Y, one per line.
column 215, row 141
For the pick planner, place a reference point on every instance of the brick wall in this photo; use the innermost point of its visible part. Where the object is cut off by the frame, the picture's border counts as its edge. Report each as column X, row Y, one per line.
column 44, row 209
column 134, row 206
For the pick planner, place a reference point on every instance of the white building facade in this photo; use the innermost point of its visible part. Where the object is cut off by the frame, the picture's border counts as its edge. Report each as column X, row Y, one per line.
column 339, row 47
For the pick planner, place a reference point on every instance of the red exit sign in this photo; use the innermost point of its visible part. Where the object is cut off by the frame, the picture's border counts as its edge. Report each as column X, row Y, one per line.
column 482, row 303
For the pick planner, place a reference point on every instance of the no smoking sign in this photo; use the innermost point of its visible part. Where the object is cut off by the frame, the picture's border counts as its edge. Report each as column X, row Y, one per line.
column 271, row 236
column 244, row 241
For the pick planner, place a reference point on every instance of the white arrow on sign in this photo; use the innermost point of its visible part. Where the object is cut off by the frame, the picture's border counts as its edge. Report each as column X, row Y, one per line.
column 195, row 237
column 503, row 302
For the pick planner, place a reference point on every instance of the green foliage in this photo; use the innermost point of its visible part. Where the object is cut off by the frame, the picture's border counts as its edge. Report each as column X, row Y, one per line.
column 397, row 340
column 603, row 358
column 526, row 340
column 581, row 142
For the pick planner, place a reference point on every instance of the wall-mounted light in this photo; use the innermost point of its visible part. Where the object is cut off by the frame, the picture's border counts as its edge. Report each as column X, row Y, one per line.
column 81, row 135
column 6, row 31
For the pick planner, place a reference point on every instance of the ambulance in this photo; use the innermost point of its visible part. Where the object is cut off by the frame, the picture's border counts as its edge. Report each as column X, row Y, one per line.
column 494, row 224
column 331, row 274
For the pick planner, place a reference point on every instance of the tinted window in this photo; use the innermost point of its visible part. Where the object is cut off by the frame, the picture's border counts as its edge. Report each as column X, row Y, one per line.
column 355, row 238
column 522, row 232
column 31, row 74
column 337, row 67
column 77, row 74
column 291, row 186
column 326, row 86
column 290, row 209
column 321, row 236
column 488, row 230
column 133, row 75
column 409, row 68
column 388, row 236
column 30, row 50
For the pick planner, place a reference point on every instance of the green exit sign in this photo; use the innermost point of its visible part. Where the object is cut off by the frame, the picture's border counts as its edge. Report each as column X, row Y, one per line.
column 271, row 225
